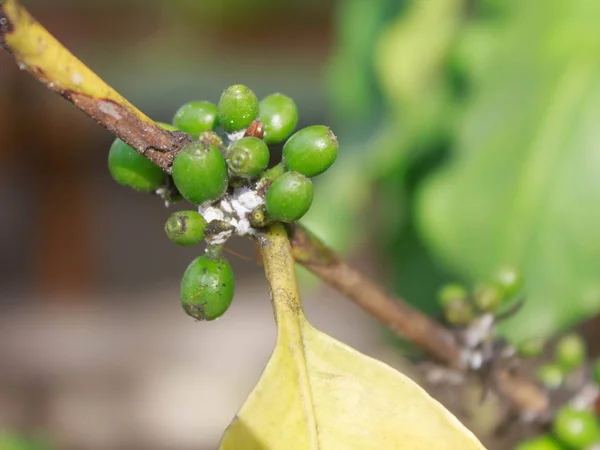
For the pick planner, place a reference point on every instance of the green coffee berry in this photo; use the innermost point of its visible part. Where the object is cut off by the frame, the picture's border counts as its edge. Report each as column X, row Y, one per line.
column 238, row 107
column 530, row 348
column 185, row 227
column 248, row 156
column 200, row 172
column 451, row 292
column 133, row 170
column 279, row 116
column 289, row 197
column 207, row 287
column 550, row 375
column 196, row 117
column 311, row 151
column 487, row 297
column 458, row 312
column 544, row 442
column 570, row 351
column 509, row 280
column 576, row 428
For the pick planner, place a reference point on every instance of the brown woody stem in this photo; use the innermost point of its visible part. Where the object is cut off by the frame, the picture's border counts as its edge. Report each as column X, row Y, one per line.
column 39, row 53
column 404, row 320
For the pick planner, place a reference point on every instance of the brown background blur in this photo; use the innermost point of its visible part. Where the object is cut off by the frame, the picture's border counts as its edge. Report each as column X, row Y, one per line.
column 95, row 352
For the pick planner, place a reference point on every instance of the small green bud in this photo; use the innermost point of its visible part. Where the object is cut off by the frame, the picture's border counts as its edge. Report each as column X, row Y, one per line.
column 458, row 312
column 550, row 375
column 509, row 281
column 531, row 348
column 311, row 151
column 576, row 428
column 279, row 116
column 258, row 217
column 207, row 287
column 196, row 117
column 289, row 197
column 200, row 173
column 248, row 156
column 238, row 107
column 185, row 227
column 570, row 351
column 451, row 292
column 487, row 297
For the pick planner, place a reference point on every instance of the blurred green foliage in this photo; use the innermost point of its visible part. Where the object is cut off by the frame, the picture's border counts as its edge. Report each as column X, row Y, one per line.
column 13, row 441
column 470, row 140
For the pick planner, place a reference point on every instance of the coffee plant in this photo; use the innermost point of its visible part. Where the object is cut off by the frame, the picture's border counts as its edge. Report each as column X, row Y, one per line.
column 316, row 392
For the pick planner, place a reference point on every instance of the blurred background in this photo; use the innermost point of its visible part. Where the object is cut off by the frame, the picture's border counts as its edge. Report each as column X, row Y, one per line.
column 469, row 139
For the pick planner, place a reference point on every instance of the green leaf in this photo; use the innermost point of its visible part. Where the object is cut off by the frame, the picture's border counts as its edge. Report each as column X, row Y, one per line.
column 317, row 393
column 524, row 186
column 410, row 53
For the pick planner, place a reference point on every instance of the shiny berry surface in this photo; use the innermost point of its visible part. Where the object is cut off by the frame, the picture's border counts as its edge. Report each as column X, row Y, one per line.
column 289, row 197
column 311, row 151
column 238, row 107
column 200, row 173
column 207, row 288
column 279, row 115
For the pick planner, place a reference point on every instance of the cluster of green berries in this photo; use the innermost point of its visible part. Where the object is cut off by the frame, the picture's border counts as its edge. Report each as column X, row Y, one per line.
column 224, row 172
column 572, row 429
column 461, row 306
column 569, row 355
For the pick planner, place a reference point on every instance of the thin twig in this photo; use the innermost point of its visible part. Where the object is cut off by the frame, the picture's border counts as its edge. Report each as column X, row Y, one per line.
column 404, row 320
column 398, row 315
column 38, row 52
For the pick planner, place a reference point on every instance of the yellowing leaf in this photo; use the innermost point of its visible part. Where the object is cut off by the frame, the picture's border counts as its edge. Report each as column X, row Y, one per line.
column 317, row 393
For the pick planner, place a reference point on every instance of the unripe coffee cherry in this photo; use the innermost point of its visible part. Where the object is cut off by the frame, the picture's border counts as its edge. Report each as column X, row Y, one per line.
column 248, row 156
column 207, row 287
column 279, row 116
column 311, row 151
column 531, row 348
column 458, row 312
column 289, row 197
column 487, row 297
column 196, row 117
column 509, row 280
column 576, row 428
column 131, row 169
column 451, row 292
column 544, row 442
column 200, row 173
column 238, row 107
column 570, row 351
column 550, row 375
column 185, row 227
